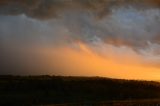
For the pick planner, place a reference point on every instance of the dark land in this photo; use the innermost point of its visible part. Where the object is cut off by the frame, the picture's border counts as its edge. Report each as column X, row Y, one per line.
column 77, row 91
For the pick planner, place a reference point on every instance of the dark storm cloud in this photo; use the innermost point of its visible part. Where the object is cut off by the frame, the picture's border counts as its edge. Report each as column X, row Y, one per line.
column 45, row 9
column 90, row 16
column 132, row 23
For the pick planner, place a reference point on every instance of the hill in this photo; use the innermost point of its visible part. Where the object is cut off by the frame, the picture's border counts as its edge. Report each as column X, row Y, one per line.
column 37, row 90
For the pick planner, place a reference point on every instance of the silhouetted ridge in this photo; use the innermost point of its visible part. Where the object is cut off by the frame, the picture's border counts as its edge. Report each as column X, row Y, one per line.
column 58, row 89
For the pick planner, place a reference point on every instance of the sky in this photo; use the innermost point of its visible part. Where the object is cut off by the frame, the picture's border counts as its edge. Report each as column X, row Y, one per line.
column 107, row 38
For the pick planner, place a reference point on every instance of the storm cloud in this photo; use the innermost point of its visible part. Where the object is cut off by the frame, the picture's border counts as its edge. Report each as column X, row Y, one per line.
column 43, row 9
column 134, row 24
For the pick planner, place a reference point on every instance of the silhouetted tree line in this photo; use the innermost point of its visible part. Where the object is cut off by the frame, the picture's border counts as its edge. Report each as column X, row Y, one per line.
column 36, row 90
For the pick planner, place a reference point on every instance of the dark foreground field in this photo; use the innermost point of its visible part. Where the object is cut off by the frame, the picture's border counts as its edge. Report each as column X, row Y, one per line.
column 77, row 91
column 147, row 102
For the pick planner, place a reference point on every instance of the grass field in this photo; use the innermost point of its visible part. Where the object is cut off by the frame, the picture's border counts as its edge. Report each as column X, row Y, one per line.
column 143, row 102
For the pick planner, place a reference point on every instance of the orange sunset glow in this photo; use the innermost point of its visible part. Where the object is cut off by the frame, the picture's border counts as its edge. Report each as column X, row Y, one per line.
column 86, row 62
